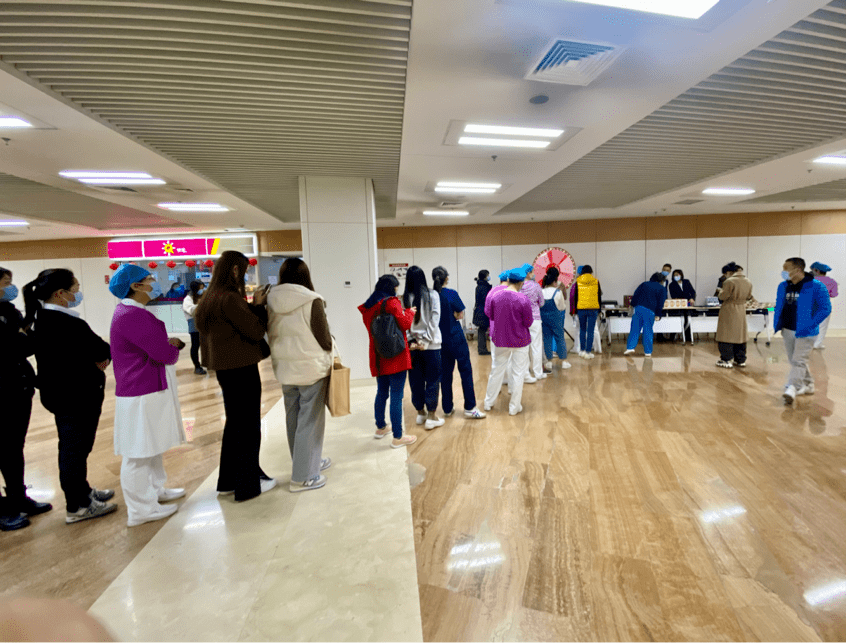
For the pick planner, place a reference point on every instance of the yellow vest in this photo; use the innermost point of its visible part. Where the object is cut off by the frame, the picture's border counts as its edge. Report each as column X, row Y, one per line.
column 588, row 292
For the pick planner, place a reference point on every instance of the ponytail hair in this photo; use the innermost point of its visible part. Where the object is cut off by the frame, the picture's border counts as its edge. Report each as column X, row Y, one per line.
column 439, row 276
column 416, row 291
column 550, row 277
column 42, row 288
column 483, row 275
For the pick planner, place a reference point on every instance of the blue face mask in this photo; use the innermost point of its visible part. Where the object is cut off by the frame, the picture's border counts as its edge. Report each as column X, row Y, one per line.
column 665, row 272
column 677, row 278
column 77, row 300
column 156, row 292
column 785, row 275
column 9, row 293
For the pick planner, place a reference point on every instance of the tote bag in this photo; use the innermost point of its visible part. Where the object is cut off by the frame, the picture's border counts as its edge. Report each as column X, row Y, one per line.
column 338, row 398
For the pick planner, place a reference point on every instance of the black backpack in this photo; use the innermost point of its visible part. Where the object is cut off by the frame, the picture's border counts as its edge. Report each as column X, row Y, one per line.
column 388, row 339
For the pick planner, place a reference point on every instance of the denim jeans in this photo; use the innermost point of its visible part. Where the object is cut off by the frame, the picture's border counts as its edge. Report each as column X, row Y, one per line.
column 553, row 331
column 643, row 319
column 425, row 379
column 393, row 385
column 587, row 325
column 453, row 352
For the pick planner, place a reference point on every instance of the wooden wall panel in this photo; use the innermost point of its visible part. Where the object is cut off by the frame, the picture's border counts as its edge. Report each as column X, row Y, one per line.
column 54, row 249
column 831, row 222
column 661, row 228
column 280, row 241
column 722, row 225
column 434, row 237
column 631, row 229
column 775, row 224
column 394, row 238
column 519, row 234
column 572, row 231
column 479, row 235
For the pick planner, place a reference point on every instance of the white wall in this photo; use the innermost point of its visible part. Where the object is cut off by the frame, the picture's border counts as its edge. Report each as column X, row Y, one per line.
column 622, row 265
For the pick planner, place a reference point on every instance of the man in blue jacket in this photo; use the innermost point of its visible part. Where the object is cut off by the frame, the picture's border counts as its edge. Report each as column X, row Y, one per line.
column 801, row 304
column 648, row 303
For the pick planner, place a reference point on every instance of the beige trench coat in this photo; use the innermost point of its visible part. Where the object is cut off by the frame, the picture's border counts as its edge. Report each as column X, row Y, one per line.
column 731, row 327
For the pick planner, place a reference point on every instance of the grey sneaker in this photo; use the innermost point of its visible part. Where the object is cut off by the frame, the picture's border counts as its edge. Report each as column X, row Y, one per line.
column 94, row 510
column 325, row 463
column 101, row 495
column 308, row 485
column 723, row 364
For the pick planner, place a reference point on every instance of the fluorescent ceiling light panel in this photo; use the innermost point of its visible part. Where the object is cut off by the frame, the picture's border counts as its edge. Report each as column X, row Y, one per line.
column 9, row 122
column 513, row 131
column 679, row 8
column 465, row 190
column 446, row 213
column 73, row 174
column 502, row 142
column 728, row 191
column 13, row 223
column 194, row 207
column 831, row 160
column 123, row 181
column 460, row 184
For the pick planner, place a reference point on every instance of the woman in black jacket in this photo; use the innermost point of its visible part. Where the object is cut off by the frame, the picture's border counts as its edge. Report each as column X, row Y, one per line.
column 483, row 287
column 72, row 360
column 17, row 387
column 681, row 288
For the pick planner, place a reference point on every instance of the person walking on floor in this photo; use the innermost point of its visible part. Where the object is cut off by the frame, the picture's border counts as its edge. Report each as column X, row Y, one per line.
column 802, row 303
column 148, row 417
column 587, row 296
column 648, row 303
column 732, row 333
column 301, row 350
column 552, row 321
column 425, row 345
column 454, row 349
column 72, row 360
column 17, row 387
column 534, row 294
column 232, row 344
column 189, row 306
column 390, row 372
column 511, row 317
column 480, row 319
column 820, row 271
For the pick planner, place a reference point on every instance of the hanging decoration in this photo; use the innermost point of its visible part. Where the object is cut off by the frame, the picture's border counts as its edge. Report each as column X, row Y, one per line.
column 114, row 266
column 559, row 258
column 208, row 263
column 171, row 264
column 253, row 261
column 153, row 265
column 190, row 263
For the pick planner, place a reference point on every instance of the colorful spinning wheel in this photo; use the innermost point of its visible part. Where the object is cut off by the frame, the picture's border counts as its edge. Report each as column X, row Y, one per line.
column 559, row 258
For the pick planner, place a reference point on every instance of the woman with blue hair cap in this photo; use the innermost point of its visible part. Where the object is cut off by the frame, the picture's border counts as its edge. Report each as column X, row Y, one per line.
column 821, row 271
column 148, row 418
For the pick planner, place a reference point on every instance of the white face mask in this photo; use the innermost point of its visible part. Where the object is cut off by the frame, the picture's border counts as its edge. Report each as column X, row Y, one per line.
column 677, row 278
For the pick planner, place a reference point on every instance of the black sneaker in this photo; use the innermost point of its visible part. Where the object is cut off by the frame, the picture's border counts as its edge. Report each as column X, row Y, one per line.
column 101, row 495
column 32, row 507
column 199, row 370
column 11, row 523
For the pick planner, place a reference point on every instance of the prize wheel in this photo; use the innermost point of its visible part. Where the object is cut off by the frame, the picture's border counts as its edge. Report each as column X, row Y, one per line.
column 559, row 258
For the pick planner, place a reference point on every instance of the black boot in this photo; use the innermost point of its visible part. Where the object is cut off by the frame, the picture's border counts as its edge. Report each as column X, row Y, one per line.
column 199, row 370
column 11, row 523
column 32, row 507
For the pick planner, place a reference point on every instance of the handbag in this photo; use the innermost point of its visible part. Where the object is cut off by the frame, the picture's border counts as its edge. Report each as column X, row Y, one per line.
column 338, row 397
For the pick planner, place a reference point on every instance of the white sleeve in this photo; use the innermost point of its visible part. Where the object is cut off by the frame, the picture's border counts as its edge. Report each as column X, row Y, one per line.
column 188, row 306
column 558, row 298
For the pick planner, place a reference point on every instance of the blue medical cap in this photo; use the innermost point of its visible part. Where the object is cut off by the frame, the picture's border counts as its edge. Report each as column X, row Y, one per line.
column 517, row 274
column 579, row 270
column 528, row 267
column 820, row 266
column 503, row 276
column 121, row 283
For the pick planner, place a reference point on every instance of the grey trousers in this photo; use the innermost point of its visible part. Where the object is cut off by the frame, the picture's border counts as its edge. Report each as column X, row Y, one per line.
column 798, row 351
column 305, row 416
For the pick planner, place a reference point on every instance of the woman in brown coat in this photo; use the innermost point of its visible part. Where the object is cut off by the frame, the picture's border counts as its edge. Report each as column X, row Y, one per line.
column 731, row 326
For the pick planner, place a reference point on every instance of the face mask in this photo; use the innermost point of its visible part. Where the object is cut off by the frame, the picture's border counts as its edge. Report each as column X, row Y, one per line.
column 677, row 278
column 77, row 300
column 665, row 273
column 156, row 292
column 785, row 275
column 9, row 293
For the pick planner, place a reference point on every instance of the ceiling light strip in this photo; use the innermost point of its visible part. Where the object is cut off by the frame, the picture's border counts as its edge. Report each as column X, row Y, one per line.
column 502, row 142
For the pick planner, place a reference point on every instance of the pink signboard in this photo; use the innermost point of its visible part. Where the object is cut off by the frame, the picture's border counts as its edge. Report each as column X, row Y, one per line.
column 167, row 248
column 125, row 249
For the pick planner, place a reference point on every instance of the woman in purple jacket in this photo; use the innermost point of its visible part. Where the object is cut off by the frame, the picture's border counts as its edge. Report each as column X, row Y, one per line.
column 148, row 419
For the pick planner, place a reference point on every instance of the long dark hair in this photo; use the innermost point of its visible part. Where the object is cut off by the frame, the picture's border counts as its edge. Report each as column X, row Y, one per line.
column 295, row 271
column 439, row 276
column 550, row 277
column 483, row 275
column 223, row 281
column 416, row 291
column 42, row 288
column 194, row 287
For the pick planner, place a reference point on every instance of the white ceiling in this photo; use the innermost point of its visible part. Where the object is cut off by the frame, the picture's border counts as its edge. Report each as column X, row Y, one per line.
column 234, row 99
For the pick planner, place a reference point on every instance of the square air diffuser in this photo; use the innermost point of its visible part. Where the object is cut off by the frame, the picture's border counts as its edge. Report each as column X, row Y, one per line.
column 569, row 62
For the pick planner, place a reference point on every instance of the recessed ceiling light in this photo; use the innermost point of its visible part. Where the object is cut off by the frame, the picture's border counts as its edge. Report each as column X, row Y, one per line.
column 502, row 142
column 460, row 184
column 9, row 122
column 123, row 181
column 513, row 131
column 465, row 190
column 678, row 8
column 194, row 207
column 831, row 160
column 446, row 213
column 74, row 174
column 728, row 191
column 14, row 223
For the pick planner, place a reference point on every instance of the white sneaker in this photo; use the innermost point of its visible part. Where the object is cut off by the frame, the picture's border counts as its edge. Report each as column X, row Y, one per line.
column 547, row 365
column 629, row 351
column 421, row 418
column 789, row 395
column 589, row 355
column 647, row 354
column 487, row 408
column 94, row 510
column 530, row 380
column 565, row 365
column 433, row 424
column 308, row 485
column 808, row 389
column 267, row 485
column 164, row 512
column 166, row 495
column 519, row 410
column 582, row 354
column 474, row 414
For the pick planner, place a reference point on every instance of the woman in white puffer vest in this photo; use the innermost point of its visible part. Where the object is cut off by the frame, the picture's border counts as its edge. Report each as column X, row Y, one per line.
column 301, row 351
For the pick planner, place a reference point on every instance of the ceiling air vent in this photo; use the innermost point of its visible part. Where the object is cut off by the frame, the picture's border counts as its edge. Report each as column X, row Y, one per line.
column 453, row 204
column 568, row 62
column 689, row 202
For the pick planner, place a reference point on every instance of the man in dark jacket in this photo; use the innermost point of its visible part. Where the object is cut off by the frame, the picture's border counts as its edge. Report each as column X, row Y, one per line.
column 648, row 303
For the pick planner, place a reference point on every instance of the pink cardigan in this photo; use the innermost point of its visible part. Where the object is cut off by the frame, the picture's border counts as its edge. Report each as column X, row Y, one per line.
column 140, row 350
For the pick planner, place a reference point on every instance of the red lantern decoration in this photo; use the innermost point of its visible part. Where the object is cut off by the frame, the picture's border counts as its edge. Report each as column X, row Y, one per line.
column 114, row 266
column 171, row 264
column 190, row 263
column 153, row 265
column 208, row 263
column 253, row 261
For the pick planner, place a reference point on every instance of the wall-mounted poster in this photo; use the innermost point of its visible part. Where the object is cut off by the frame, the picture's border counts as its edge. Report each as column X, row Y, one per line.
column 398, row 270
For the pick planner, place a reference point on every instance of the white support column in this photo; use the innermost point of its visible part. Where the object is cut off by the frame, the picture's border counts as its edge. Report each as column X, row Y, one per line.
column 338, row 219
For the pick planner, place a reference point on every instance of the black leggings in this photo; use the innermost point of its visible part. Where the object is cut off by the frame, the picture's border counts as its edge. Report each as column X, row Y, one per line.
column 195, row 348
